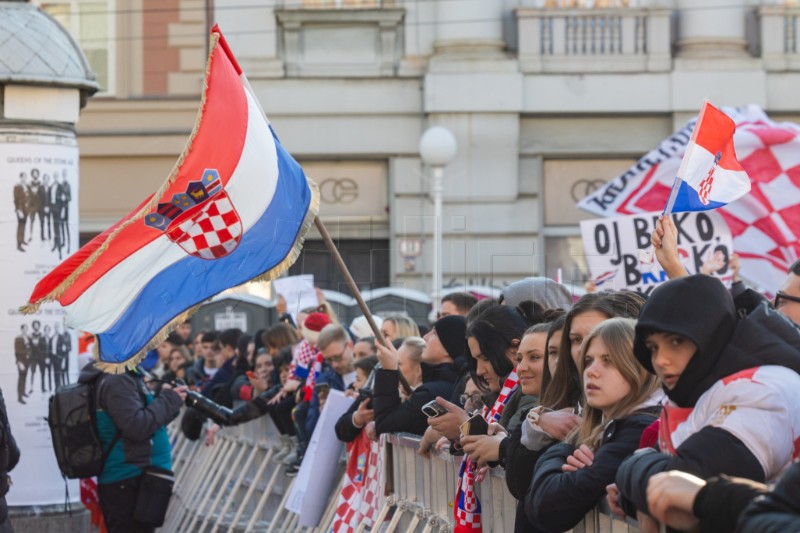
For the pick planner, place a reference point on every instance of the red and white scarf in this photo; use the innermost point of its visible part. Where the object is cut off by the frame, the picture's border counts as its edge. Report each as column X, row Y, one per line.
column 467, row 508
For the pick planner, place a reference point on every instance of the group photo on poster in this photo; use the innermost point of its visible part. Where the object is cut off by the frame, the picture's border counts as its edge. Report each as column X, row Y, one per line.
column 42, row 205
column 39, row 174
column 43, row 351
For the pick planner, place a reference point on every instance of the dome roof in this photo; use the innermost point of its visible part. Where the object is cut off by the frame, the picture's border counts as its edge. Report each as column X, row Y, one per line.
column 37, row 50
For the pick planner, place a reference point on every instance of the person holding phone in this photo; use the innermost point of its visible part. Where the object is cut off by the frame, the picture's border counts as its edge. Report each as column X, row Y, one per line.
column 441, row 361
column 622, row 399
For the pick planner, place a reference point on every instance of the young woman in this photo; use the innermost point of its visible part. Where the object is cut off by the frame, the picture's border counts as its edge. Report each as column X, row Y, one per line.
column 621, row 401
column 518, row 460
column 732, row 383
column 563, row 388
column 398, row 327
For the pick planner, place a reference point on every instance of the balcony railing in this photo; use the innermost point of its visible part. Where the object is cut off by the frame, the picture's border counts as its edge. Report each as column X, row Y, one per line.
column 594, row 40
column 780, row 37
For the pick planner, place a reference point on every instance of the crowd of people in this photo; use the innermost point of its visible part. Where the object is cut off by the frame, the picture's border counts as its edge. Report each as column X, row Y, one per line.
column 678, row 408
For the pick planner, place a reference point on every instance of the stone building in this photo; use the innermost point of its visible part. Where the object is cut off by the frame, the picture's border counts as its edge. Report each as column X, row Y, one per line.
column 546, row 98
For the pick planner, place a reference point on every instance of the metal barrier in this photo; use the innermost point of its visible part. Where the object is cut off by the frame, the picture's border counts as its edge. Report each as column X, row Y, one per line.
column 233, row 486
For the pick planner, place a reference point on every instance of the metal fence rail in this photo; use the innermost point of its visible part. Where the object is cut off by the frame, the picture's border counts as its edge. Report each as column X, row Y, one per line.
column 233, row 486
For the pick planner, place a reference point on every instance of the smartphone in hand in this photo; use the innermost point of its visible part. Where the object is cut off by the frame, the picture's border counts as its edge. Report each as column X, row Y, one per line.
column 475, row 425
column 433, row 409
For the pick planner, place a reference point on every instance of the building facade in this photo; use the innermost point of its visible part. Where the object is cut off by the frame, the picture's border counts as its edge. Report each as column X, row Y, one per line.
column 547, row 99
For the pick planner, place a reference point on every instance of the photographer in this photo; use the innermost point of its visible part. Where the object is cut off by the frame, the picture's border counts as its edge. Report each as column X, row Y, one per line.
column 132, row 424
column 350, row 424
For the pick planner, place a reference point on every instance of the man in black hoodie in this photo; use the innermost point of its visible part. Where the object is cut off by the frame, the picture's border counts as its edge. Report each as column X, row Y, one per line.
column 732, row 384
column 441, row 361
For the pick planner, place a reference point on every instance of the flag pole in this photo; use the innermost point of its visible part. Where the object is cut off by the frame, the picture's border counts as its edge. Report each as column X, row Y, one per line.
column 337, row 257
column 686, row 156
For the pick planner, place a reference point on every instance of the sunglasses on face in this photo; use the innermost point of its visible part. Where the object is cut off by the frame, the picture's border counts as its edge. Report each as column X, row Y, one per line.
column 786, row 298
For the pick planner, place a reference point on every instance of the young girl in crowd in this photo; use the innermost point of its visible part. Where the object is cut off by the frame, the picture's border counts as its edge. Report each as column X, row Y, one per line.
column 519, row 461
column 621, row 401
column 732, row 383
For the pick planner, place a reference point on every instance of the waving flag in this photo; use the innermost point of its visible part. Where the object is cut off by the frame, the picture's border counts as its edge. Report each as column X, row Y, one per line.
column 234, row 209
column 764, row 224
column 710, row 176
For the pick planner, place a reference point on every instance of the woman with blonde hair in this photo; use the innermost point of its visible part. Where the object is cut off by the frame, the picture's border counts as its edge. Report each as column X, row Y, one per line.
column 398, row 327
column 621, row 399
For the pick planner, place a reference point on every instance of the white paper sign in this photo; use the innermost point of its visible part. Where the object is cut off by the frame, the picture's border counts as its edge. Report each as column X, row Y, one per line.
column 298, row 291
column 613, row 248
column 38, row 229
column 315, row 480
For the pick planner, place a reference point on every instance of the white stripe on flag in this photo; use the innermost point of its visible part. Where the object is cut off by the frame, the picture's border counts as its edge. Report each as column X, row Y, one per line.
column 101, row 305
column 728, row 184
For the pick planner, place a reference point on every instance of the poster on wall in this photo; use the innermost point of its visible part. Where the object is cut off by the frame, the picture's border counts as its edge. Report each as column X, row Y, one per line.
column 612, row 248
column 38, row 229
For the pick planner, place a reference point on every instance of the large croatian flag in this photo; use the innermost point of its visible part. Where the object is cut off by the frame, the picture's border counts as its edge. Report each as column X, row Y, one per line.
column 710, row 176
column 234, row 209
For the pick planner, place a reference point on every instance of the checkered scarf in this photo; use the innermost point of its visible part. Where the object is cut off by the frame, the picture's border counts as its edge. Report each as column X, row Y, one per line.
column 467, row 510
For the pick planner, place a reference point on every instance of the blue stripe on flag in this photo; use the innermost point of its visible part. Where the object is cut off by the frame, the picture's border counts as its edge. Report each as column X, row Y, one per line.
column 687, row 199
column 193, row 280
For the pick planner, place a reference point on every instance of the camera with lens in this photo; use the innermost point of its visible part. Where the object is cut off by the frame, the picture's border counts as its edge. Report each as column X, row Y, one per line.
column 216, row 412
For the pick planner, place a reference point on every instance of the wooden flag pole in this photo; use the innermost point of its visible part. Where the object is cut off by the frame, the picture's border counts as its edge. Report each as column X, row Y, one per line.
column 323, row 231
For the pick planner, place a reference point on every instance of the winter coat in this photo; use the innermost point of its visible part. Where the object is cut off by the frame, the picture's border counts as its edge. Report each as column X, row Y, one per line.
column 722, row 499
column 557, row 500
column 519, row 463
column 124, row 403
column 393, row 415
column 346, row 430
column 734, row 396
column 9, row 457
column 777, row 511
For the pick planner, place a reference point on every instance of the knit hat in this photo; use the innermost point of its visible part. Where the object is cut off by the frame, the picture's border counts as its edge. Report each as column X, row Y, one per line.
column 452, row 333
column 359, row 327
column 544, row 291
column 313, row 324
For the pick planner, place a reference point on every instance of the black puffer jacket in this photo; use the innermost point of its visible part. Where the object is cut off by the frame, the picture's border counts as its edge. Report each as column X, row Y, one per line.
column 701, row 309
column 557, row 500
column 519, row 465
column 777, row 511
column 393, row 415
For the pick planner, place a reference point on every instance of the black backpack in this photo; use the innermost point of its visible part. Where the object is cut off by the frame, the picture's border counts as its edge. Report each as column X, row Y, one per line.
column 73, row 427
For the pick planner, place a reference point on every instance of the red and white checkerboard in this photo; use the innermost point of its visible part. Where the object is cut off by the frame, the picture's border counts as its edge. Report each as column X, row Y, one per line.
column 360, row 501
column 764, row 223
column 212, row 232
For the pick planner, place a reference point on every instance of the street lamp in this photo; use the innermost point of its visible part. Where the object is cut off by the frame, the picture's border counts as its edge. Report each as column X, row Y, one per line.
column 437, row 147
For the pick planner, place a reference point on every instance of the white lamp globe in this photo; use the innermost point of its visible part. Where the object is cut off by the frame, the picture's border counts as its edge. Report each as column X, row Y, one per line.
column 438, row 146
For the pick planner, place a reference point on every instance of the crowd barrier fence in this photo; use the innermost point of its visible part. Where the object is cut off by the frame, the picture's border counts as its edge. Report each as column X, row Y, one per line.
column 233, row 486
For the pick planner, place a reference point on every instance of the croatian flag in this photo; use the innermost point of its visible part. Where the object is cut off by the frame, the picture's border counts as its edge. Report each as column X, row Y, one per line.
column 234, row 209
column 710, row 176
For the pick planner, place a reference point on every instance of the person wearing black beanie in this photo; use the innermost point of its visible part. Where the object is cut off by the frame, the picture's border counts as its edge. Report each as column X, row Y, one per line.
column 441, row 361
column 732, row 383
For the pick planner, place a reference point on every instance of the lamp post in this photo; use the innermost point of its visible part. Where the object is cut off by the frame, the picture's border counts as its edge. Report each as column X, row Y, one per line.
column 437, row 147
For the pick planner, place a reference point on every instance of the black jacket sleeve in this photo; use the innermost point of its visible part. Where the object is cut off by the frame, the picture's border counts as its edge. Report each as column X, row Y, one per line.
column 392, row 415
column 776, row 511
column 346, row 431
column 721, row 500
column 120, row 397
column 558, row 501
column 730, row 456
column 519, row 464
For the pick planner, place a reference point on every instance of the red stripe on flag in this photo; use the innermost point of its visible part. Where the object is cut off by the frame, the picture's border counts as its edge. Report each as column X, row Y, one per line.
column 715, row 133
column 220, row 137
column 224, row 44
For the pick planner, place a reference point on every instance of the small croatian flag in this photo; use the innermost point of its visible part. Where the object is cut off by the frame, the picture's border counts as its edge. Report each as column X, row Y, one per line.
column 710, row 176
